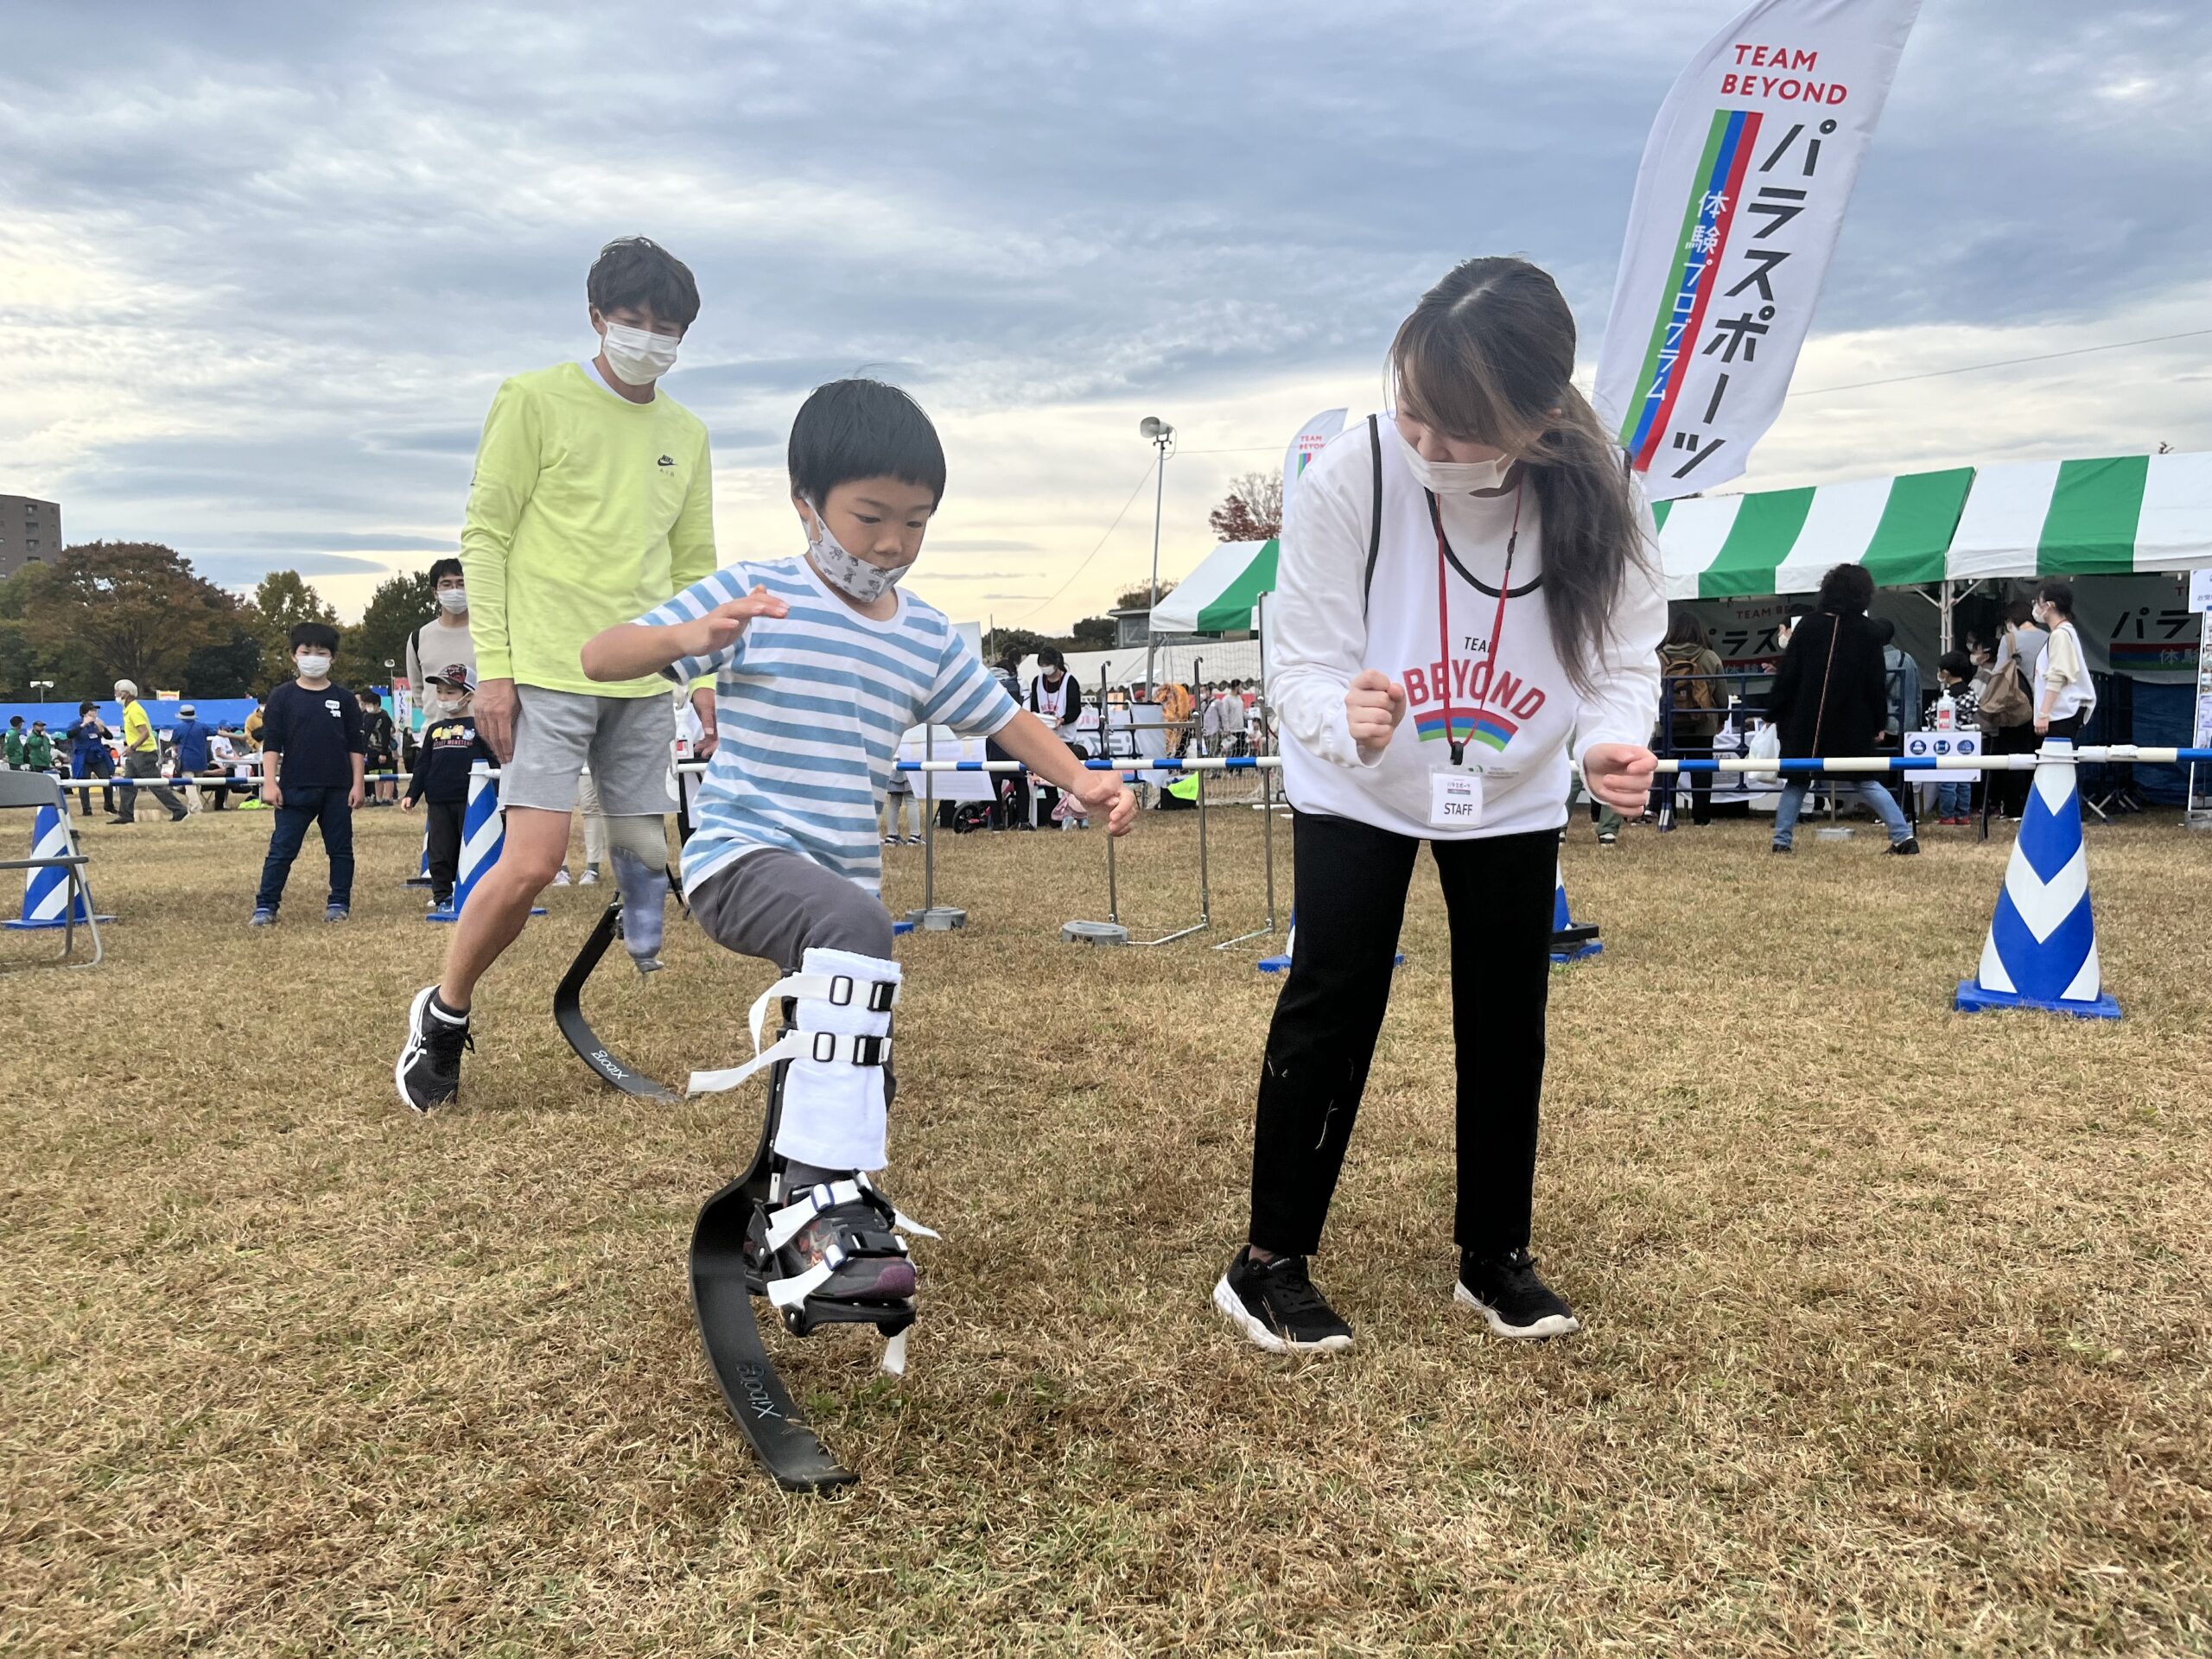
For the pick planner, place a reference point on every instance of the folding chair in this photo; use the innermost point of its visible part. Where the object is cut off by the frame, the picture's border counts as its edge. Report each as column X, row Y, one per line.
column 28, row 791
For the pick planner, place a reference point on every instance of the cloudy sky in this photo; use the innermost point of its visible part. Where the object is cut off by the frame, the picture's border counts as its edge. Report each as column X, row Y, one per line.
column 262, row 266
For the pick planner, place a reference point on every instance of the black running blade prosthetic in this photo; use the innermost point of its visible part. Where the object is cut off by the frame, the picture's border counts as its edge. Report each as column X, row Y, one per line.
column 723, row 1302
column 569, row 1015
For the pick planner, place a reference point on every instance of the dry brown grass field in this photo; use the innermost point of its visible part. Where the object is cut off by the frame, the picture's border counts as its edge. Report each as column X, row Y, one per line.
column 1899, row 1336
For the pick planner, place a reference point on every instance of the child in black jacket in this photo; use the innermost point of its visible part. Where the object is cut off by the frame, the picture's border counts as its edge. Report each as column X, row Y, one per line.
column 449, row 748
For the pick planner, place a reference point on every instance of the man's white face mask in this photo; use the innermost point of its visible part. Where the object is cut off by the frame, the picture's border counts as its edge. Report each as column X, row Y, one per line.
column 638, row 356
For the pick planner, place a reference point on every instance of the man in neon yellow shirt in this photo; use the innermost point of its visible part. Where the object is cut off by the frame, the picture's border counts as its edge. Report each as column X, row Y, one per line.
column 591, row 503
column 141, row 758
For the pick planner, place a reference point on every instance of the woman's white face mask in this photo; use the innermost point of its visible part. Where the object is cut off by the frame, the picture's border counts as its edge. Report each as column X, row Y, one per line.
column 1452, row 477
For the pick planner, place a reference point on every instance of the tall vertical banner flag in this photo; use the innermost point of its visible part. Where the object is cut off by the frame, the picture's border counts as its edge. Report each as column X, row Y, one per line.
column 1742, row 190
column 1312, row 439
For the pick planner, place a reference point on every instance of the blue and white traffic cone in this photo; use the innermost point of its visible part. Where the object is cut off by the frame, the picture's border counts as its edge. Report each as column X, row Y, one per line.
column 2041, row 948
column 47, row 900
column 483, row 833
column 1569, row 942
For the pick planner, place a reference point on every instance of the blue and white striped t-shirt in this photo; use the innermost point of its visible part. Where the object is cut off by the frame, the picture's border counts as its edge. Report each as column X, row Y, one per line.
column 810, row 707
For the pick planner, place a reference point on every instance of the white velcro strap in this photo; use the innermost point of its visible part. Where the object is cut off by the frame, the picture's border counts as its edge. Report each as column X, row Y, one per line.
column 713, row 1082
column 899, row 1218
column 790, row 1293
column 784, row 1225
column 842, row 990
column 894, row 1355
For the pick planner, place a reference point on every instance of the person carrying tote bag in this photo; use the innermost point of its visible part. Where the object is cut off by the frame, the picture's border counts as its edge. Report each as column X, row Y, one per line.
column 1467, row 588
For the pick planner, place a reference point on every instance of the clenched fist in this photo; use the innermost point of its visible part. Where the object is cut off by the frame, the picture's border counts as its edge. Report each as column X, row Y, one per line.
column 1374, row 705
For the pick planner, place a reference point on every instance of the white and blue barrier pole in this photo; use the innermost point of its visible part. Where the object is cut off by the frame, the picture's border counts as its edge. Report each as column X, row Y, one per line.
column 48, row 894
column 483, row 835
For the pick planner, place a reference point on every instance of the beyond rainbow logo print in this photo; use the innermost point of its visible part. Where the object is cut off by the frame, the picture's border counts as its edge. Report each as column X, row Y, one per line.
column 1488, row 727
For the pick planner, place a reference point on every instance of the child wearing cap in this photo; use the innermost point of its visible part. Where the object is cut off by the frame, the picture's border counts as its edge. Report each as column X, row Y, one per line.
column 449, row 748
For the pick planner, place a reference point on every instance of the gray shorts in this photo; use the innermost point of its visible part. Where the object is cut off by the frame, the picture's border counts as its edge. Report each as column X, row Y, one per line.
column 626, row 740
column 774, row 903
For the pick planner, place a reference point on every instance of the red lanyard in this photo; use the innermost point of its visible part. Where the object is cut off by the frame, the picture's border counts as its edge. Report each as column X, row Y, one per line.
column 1444, row 620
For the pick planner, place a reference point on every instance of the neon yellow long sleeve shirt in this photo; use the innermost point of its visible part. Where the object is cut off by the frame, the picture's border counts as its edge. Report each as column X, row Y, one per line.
column 587, row 510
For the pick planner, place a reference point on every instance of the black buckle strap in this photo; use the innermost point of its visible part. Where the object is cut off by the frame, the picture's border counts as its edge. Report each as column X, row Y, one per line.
column 871, row 1051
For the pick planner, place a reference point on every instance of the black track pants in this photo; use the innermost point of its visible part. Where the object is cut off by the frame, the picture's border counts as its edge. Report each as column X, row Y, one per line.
column 1351, row 881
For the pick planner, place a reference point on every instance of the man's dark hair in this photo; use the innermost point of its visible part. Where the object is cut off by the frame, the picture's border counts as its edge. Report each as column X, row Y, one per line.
column 850, row 429
column 1847, row 588
column 1886, row 631
column 321, row 635
column 15, row 720
column 1957, row 663
column 635, row 270
column 442, row 568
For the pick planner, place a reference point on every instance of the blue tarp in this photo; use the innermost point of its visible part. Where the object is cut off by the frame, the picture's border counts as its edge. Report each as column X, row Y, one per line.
column 226, row 713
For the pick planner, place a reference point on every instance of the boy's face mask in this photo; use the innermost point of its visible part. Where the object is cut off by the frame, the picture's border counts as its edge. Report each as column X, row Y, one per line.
column 850, row 574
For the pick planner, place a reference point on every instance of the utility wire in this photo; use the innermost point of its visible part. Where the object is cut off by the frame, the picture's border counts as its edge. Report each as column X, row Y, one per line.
column 2004, row 363
column 1144, row 478
column 1896, row 379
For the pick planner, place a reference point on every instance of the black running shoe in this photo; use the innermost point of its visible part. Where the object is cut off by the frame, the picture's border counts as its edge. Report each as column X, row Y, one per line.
column 1276, row 1305
column 429, row 1073
column 1510, row 1296
column 1906, row 849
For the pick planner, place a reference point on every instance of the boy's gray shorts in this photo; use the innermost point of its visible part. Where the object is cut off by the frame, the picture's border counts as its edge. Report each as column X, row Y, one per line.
column 626, row 740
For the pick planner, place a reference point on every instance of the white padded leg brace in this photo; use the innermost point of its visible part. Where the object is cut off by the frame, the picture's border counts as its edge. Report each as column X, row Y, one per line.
column 834, row 1108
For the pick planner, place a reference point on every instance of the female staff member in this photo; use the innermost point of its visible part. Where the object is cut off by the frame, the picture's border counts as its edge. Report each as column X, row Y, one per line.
column 1482, row 562
column 2065, row 695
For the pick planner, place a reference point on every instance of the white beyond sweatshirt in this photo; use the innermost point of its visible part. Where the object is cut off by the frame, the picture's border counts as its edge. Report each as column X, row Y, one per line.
column 1517, row 723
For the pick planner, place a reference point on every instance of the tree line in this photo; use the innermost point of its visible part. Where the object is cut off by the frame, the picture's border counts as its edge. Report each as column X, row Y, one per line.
column 106, row 611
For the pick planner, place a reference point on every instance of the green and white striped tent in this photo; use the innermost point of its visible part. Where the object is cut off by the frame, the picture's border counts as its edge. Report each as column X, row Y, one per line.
column 1219, row 596
column 2114, row 516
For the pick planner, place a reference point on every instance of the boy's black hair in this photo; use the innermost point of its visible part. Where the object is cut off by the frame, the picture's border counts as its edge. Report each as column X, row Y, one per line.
column 637, row 271
column 1957, row 663
column 321, row 635
column 1885, row 630
column 442, row 568
column 850, row 429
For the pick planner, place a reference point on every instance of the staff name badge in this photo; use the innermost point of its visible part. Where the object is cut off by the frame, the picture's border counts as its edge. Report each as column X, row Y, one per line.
column 1455, row 798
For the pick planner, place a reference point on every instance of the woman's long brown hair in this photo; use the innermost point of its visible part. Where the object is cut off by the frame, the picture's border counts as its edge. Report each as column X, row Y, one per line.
column 1487, row 357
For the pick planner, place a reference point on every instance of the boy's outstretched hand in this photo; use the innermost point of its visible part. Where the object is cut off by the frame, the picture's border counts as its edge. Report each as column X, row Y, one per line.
column 719, row 628
column 1105, row 792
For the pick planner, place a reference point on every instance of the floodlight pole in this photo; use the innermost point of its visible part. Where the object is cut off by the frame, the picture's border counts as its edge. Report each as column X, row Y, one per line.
column 1162, row 436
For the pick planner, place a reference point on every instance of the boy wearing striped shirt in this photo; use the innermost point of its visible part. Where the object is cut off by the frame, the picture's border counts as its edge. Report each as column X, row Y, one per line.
column 820, row 664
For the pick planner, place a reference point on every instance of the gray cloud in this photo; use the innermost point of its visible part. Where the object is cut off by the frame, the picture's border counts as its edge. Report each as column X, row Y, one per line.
column 306, row 243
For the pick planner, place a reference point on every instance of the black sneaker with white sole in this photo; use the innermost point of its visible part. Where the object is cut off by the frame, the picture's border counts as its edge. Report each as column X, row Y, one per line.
column 429, row 1071
column 1507, row 1292
column 1273, row 1303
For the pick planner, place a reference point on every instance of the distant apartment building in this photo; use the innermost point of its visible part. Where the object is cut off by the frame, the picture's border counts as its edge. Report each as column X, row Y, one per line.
column 30, row 532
